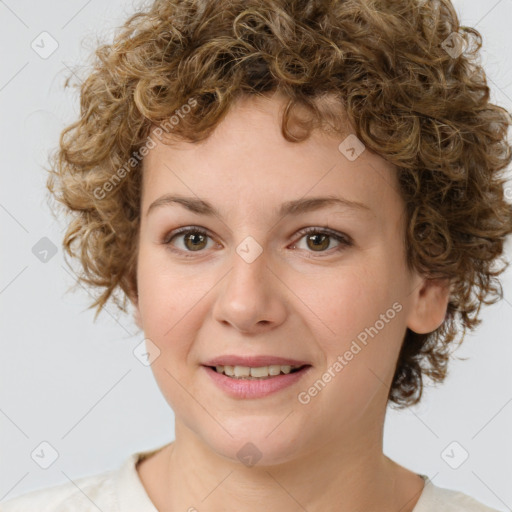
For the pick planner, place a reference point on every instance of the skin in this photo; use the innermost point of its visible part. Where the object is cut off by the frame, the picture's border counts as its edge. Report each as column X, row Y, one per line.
column 294, row 300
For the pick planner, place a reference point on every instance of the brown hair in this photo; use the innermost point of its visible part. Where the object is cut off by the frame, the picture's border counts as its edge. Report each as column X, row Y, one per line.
column 406, row 90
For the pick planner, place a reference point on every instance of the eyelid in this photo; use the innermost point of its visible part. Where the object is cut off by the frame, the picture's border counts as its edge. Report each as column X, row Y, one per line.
column 185, row 230
column 324, row 230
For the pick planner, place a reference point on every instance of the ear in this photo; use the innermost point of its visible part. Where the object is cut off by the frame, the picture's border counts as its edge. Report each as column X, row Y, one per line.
column 429, row 304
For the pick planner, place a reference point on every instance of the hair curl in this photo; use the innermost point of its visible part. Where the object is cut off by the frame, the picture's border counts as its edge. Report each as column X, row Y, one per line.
column 386, row 63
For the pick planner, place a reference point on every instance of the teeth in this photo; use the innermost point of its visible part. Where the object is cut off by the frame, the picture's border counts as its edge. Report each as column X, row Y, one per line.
column 262, row 371
column 241, row 372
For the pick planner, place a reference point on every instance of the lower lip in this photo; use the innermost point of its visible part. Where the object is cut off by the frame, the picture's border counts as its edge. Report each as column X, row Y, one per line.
column 245, row 388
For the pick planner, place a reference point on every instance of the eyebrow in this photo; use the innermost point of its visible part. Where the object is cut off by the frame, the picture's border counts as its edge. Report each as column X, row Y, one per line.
column 295, row 206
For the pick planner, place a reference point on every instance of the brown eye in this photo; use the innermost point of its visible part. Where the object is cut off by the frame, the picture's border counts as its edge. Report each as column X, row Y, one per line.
column 192, row 240
column 318, row 241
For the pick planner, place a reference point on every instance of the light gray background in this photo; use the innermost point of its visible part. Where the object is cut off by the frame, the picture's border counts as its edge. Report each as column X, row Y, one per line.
column 76, row 384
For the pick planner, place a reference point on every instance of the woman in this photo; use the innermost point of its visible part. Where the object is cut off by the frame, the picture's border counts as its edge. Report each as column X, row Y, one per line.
column 298, row 200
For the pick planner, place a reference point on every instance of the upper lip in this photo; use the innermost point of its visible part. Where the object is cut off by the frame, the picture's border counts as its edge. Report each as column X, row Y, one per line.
column 253, row 361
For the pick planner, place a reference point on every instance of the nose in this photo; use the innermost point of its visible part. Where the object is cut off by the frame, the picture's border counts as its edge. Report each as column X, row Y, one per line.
column 251, row 298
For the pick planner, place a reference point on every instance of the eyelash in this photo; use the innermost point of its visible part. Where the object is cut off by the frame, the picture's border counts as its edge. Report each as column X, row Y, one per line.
column 344, row 240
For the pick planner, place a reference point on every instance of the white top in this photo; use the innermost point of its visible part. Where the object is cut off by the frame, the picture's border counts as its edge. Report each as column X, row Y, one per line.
column 121, row 490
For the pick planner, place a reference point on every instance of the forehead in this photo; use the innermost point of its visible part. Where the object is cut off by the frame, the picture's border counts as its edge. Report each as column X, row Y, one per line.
column 247, row 161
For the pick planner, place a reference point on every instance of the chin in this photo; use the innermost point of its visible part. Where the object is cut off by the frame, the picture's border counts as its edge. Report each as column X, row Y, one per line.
column 257, row 443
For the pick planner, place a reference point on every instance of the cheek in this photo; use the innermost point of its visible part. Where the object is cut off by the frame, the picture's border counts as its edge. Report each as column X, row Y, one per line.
column 345, row 301
column 361, row 323
column 163, row 291
column 166, row 305
column 171, row 303
column 360, row 341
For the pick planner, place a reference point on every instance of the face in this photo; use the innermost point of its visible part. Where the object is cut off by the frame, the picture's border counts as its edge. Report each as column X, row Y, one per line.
column 253, row 282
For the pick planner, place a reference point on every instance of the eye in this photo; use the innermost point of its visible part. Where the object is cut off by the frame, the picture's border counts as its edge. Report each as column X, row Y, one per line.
column 319, row 239
column 194, row 239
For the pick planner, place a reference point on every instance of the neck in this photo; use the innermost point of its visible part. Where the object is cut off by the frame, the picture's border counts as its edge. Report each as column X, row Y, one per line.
column 350, row 471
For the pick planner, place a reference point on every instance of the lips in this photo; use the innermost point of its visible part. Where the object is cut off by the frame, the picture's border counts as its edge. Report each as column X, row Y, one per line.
column 253, row 361
column 243, row 388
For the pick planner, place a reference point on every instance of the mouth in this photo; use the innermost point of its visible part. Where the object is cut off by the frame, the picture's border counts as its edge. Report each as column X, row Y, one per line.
column 255, row 382
column 256, row 373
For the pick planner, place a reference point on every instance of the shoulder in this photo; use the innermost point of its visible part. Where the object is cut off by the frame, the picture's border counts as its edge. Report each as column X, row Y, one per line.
column 117, row 490
column 89, row 493
column 439, row 499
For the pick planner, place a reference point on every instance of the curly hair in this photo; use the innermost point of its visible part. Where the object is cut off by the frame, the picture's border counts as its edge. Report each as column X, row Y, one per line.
column 406, row 88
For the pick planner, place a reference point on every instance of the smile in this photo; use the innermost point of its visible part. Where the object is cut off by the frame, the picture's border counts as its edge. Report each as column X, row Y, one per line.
column 255, row 382
column 261, row 372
